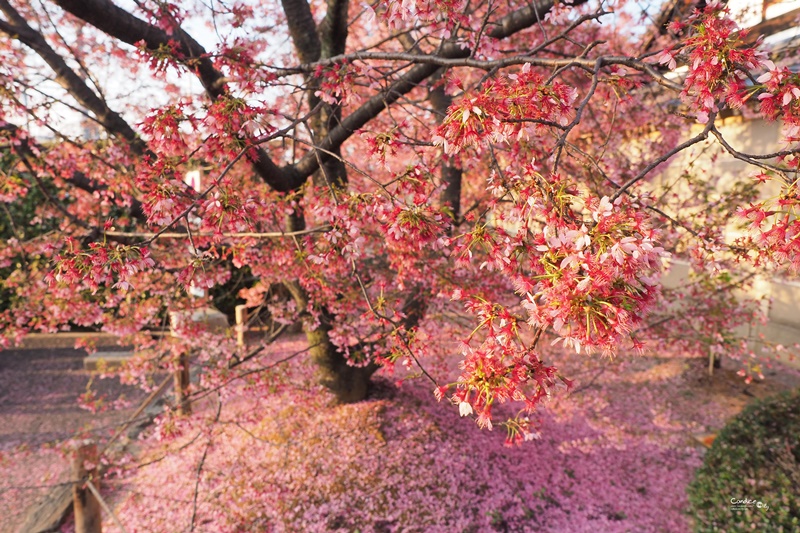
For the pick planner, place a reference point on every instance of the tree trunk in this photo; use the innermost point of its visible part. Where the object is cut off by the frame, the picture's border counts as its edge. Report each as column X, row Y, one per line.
column 451, row 173
column 348, row 383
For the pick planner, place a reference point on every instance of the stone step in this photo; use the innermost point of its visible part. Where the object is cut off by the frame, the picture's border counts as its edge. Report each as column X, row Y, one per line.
column 105, row 360
column 211, row 319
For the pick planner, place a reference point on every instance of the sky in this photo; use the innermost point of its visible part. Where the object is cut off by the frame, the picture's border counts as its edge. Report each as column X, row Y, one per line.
column 117, row 84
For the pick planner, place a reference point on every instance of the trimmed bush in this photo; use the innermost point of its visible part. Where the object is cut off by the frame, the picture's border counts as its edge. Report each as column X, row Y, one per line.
column 750, row 478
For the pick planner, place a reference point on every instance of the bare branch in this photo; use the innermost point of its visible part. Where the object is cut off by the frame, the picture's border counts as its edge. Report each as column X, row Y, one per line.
column 703, row 135
column 756, row 161
column 772, row 26
column 151, row 236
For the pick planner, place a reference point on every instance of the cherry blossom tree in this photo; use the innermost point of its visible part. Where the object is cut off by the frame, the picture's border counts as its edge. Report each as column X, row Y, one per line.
column 387, row 174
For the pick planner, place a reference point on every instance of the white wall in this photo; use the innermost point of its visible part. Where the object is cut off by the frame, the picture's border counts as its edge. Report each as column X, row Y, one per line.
column 781, row 296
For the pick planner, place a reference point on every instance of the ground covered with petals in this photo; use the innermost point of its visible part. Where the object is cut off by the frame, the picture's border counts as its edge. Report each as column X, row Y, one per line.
column 615, row 455
column 39, row 412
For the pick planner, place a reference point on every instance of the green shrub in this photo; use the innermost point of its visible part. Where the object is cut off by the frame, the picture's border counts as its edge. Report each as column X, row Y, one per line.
column 755, row 458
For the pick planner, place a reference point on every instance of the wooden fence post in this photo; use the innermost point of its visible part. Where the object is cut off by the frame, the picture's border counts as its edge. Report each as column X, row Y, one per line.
column 714, row 361
column 85, row 504
column 209, row 319
column 182, row 386
column 241, row 322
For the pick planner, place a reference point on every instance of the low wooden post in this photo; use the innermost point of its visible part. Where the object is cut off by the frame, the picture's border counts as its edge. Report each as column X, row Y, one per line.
column 710, row 363
column 85, row 504
column 206, row 318
column 241, row 322
column 714, row 361
column 182, row 386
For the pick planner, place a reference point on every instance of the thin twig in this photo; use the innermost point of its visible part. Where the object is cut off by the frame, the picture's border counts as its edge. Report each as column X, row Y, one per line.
column 138, row 412
column 197, row 484
column 151, row 236
column 589, row 383
column 200, row 468
column 702, row 136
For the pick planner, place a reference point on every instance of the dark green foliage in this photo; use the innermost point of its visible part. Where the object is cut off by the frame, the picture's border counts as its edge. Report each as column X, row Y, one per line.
column 16, row 217
column 225, row 296
column 755, row 457
column 18, row 221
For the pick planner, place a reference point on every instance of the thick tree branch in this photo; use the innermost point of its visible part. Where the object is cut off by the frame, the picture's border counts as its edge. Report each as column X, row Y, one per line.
column 523, row 18
column 19, row 29
column 116, row 22
column 78, row 179
column 303, row 29
column 772, row 26
column 333, row 30
column 369, row 110
column 120, row 24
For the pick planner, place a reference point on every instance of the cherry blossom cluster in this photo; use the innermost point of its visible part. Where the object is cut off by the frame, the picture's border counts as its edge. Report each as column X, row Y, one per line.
column 165, row 127
column 345, row 241
column 586, row 269
column 228, row 118
column 168, row 195
column 499, row 368
column 399, row 222
column 781, row 99
column 594, row 284
column 100, row 264
column 411, row 222
column 162, row 58
column 240, row 61
column 407, row 223
column 197, row 274
column 397, row 13
column 506, row 109
column 381, row 145
column 718, row 61
column 166, row 16
column 336, row 83
column 773, row 227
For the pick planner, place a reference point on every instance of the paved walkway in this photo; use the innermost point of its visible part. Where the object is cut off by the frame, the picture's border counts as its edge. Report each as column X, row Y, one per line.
column 39, row 389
